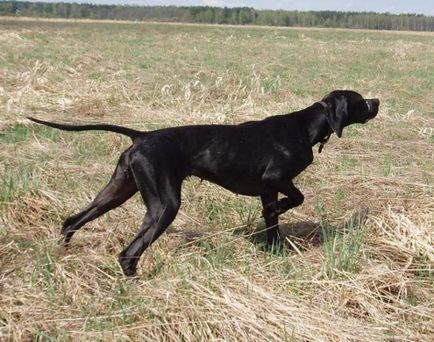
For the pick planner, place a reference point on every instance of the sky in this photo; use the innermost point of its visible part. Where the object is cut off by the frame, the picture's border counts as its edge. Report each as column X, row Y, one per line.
column 393, row 6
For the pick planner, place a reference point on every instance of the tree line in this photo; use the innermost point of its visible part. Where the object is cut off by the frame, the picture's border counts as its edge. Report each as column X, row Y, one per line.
column 216, row 15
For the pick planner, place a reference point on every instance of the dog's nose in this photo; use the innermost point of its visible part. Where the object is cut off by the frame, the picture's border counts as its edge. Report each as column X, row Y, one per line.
column 376, row 102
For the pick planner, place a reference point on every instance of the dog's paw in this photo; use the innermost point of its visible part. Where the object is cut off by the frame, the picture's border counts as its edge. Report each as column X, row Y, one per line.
column 276, row 208
column 127, row 269
column 270, row 210
column 130, row 272
column 284, row 205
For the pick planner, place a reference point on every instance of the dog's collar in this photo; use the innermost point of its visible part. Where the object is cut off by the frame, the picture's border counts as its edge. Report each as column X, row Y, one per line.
column 327, row 137
column 322, row 103
column 324, row 140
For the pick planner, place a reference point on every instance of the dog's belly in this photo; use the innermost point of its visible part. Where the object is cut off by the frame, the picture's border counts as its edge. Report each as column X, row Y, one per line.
column 246, row 185
column 232, row 164
column 246, row 189
column 253, row 189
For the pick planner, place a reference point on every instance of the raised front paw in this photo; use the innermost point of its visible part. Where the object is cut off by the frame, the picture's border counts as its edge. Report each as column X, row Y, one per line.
column 276, row 208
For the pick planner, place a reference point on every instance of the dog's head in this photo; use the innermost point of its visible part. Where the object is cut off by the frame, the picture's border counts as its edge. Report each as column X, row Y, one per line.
column 345, row 107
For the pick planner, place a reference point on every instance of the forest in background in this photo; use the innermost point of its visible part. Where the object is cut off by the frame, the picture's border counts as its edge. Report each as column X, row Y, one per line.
column 216, row 15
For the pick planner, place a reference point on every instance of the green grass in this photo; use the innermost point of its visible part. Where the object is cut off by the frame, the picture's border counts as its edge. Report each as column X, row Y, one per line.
column 15, row 182
column 15, row 134
column 342, row 248
column 22, row 133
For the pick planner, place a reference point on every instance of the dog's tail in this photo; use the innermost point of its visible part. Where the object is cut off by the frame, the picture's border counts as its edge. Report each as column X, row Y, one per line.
column 132, row 133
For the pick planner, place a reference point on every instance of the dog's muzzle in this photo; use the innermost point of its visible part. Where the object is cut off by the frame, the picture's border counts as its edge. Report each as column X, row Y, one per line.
column 373, row 105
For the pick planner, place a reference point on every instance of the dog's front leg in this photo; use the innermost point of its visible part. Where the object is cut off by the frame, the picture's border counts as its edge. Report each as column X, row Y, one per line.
column 294, row 199
column 272, row 207
column 271, row 220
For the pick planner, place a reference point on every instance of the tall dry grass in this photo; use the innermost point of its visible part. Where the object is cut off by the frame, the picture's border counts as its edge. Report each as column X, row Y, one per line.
column 360, row 266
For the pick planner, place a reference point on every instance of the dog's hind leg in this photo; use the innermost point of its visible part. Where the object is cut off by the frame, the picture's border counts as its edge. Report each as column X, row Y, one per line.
column 162, row 196
column 120, row 188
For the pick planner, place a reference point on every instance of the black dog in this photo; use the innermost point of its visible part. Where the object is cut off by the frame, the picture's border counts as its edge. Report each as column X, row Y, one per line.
column 257, row 158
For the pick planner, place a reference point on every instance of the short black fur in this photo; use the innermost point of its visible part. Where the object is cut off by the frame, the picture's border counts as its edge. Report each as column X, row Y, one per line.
column 256, row 158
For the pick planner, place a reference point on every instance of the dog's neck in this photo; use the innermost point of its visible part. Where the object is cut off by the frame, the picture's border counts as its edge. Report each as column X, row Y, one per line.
column 318, row 127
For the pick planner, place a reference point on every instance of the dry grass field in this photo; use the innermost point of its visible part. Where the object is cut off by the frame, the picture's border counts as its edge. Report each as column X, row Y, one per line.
column 359, row 254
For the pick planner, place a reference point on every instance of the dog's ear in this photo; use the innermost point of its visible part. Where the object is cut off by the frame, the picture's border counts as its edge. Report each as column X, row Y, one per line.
column 337, row 115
